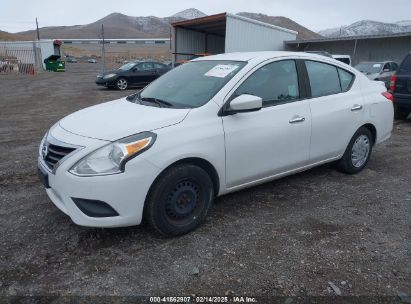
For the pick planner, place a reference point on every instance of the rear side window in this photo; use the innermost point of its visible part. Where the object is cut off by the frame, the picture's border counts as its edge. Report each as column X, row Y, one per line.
column 275, row 83
column 406, row 64
column 159, row 65
column 145, row 66
column 346, row 78
column 324, row 78
column 394, row 66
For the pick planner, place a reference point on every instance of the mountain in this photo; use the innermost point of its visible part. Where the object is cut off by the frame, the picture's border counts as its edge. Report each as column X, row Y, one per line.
column 368, row 27
column 404, row 23
column 303, row 32
column 117, row 25
column 190, row 13
column 5, row 36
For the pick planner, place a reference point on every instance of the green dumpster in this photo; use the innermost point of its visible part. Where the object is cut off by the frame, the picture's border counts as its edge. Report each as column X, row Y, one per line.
column 55, row 64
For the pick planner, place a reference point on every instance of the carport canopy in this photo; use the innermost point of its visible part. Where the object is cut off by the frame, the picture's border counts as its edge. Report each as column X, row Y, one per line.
column 215, row 24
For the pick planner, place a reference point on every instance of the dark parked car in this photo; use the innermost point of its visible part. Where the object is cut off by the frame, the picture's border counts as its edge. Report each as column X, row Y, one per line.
column 400, row 86
column 379, row 71
column 131, row 74
column 71, row 60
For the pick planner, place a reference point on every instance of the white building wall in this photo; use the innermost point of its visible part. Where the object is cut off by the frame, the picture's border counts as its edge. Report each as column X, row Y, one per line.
column 247, row 35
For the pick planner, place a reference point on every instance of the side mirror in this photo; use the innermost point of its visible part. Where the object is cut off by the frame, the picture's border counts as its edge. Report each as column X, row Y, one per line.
column 245, row 103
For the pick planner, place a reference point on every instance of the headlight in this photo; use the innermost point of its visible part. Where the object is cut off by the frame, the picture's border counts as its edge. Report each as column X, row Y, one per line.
column 109, row 76
column 112, row 158
column 42, row 143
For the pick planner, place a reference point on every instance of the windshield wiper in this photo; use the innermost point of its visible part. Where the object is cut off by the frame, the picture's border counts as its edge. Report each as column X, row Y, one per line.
column 134, row 98
column 157, row 101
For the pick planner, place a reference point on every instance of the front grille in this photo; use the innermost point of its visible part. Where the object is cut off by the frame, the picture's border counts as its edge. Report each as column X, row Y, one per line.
column 55, row 154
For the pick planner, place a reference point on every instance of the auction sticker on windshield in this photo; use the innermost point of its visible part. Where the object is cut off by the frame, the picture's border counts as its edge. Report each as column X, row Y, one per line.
column 221, row 70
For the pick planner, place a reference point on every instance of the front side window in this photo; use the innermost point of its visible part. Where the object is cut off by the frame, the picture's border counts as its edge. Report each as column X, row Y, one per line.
column 387, row 66
column 145, row 66
column 275, row 83
column 324, row 79
column 127, row 66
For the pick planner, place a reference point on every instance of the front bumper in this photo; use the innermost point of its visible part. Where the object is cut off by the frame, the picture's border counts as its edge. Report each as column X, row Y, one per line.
column 125, row 192
column 106, row 82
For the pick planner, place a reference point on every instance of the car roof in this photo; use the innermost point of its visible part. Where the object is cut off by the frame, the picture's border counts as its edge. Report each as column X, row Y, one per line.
column 247, row 56
column 374, row 62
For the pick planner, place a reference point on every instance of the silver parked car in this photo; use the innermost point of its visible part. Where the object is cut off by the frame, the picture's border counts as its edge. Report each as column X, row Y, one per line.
column 379, row 71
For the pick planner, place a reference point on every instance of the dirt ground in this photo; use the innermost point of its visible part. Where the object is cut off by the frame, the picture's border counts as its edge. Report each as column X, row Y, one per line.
column 302, row 235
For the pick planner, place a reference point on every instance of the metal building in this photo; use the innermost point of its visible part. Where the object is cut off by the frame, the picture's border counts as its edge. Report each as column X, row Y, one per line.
column 361, row 48
column 224, row 33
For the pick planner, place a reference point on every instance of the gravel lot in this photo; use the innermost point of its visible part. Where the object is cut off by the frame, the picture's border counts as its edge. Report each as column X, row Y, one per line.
column 296, row 236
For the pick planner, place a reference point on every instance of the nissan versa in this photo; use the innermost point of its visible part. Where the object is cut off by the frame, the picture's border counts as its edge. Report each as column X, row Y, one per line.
column 214, row 125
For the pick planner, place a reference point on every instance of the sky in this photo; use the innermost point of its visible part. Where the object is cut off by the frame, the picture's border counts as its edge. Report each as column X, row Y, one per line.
column 19, row 15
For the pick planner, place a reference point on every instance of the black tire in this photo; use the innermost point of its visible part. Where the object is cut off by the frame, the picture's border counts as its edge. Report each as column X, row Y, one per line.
column 122, row 83
column 400, row 114
column 179, row 200
column 352, row 166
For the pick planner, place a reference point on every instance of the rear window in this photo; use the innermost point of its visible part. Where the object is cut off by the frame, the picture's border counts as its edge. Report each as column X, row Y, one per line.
column 406, row 64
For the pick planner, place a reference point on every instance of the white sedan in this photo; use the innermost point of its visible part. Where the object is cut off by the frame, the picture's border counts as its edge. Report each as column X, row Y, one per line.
column 212, row 126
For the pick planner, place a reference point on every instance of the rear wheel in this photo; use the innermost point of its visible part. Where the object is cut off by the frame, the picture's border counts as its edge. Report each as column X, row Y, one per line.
column 358, row 152
column 179, row 200
column 122, row 84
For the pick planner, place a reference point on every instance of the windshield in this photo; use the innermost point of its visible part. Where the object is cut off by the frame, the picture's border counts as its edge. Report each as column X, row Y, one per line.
column 192, row 84
column 127, row 66
column 369, row 67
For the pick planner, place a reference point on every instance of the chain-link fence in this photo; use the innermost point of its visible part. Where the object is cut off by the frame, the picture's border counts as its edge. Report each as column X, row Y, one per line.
column 19, row 58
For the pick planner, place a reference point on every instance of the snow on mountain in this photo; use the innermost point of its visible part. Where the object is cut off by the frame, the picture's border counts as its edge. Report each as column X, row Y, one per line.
column 190, row 13
column 367, row 27
column 404, row 23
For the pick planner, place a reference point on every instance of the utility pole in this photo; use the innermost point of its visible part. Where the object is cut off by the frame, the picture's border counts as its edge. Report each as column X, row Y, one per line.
column 103, row 49
column 37, row 27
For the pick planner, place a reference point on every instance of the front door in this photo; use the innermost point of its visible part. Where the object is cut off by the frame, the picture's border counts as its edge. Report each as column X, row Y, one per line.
column 274, row 139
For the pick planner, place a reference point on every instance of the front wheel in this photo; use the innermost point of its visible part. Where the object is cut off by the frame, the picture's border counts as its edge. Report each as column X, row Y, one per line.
column 358, row 152
column 122, row 84
column 179, row 200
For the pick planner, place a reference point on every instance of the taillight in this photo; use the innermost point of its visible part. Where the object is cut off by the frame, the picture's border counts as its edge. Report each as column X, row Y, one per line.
column 392, row 83
column 388, row 95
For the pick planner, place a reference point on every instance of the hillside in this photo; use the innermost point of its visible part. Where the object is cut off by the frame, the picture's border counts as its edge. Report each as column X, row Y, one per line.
column 368, row 27
column 5, row 36
column 118, row 25
column 303, row 32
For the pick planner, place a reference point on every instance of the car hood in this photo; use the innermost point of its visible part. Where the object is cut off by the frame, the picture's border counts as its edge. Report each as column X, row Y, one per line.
column 110, row 72
column 120, row 118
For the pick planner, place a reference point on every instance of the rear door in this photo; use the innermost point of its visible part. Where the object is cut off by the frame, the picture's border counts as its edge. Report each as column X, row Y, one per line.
column 161, row 68
column 274, row 139
column 143, row 73
column 336, row 109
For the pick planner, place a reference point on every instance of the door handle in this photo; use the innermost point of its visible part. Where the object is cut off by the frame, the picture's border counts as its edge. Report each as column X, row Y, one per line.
column 356, row 107
column 296, row 119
